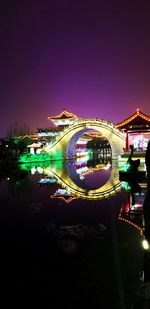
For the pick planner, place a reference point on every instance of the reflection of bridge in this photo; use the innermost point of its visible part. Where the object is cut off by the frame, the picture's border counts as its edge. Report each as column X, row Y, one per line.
column 111, row 187
column 66, row 140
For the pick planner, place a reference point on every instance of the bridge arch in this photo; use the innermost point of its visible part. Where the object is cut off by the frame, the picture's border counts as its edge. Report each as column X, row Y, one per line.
column 66, row 140
column 65, row 179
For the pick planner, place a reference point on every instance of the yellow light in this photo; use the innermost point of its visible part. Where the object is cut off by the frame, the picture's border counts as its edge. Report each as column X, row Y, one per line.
column 64, row 112
column 145, row 244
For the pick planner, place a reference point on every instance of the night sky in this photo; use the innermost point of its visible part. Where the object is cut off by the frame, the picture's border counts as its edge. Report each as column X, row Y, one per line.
column 89, row 57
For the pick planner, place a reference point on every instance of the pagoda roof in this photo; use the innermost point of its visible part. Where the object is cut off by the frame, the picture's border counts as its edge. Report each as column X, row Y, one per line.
column 137, row 115
column 63, row 115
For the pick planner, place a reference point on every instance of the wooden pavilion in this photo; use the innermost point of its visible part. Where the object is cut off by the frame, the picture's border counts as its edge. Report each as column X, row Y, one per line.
column 137, row 129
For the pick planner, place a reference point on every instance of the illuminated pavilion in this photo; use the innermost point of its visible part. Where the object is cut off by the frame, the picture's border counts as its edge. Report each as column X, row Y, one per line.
column 137, row 129
column 59, row 121
column 63, row 119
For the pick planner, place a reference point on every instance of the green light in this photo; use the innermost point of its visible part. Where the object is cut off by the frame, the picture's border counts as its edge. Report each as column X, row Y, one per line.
column 125, row 186
column 40, row 157
column 58, row 164
column 16, row 141
column 18, row 183
column 125, row 167
column 57, row 155
column 89, row 152
column 34, row 157
column 28, row 166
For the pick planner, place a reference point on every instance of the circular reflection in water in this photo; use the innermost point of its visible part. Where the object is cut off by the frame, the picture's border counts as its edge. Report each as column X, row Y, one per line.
column 89, row 175
column 97, row 178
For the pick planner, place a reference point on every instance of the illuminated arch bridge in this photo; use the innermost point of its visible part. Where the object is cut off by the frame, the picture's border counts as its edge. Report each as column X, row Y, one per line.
column 66, row 140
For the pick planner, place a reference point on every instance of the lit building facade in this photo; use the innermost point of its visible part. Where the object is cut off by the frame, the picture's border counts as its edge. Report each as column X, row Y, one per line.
column 137, row 129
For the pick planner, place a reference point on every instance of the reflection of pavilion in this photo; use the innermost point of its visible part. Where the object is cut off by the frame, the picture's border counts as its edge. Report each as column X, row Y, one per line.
column 142, row 299
column 65, row 195
column 47, row 181
column 130, row 219
column 132, row 212
column 134, row 218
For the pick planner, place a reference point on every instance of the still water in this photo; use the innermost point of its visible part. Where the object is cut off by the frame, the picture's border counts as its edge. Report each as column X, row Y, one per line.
column 68, row 238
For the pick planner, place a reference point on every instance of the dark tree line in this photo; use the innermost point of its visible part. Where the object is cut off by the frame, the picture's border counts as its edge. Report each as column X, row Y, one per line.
column 15, row 130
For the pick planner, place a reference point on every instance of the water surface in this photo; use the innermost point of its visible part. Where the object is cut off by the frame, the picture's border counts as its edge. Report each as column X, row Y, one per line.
column 69, row 243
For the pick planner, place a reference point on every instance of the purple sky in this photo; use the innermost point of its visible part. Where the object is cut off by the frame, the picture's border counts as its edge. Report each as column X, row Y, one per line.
column 90, row 57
